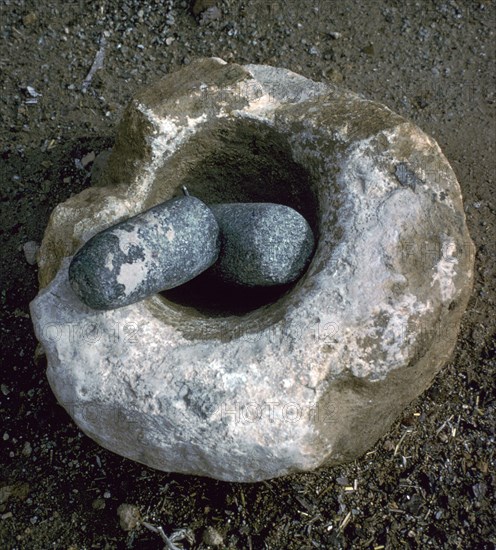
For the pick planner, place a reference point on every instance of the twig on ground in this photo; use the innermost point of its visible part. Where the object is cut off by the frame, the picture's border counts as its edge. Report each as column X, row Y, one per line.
column 168, row 544
column 169, row 541
column 397, row 448
column 345, row 521
column 97, row 63
column 443, row 425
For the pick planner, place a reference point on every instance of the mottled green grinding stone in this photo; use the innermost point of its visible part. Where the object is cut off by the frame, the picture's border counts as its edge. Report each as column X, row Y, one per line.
column 159, row 249
column 263, row 244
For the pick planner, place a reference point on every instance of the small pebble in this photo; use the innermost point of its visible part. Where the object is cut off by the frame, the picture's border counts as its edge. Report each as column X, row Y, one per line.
column 212, row 537
column 88, row 159
column 263, row 244
column 159, row 249
column 29, row 19
column 212, row 13
column 129, row 516
column 30, row 250
column 98, row 504
column 19, row 490
column 27, row 449
column 46, row 185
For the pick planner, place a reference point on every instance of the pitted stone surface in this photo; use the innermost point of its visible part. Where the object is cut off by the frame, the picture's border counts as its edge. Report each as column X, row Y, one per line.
column 314, row 378
column 156, row 250
column 263, row 244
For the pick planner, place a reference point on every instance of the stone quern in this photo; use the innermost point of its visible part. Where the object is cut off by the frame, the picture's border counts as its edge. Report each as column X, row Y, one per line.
column 156, row 250
column 314, row 377
column 262, row 244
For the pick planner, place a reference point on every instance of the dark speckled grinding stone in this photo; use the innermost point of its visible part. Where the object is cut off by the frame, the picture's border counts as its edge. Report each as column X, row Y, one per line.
column 263, row 244
column 159, row 249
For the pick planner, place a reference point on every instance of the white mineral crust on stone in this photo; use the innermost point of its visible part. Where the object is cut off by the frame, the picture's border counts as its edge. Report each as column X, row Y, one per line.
column 315, row 378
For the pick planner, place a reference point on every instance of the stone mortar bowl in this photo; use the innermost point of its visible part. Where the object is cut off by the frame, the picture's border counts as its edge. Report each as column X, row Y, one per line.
column 245, row 387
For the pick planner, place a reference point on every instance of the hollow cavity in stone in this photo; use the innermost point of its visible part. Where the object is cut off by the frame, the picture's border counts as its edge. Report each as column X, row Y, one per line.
column 242, row 161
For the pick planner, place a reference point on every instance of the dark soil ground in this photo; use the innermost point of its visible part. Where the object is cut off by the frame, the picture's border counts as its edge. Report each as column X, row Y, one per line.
column 429, row 483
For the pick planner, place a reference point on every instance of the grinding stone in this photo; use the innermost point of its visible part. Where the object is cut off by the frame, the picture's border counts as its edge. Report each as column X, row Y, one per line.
column 159, row 249
column 313, row 379
column 263, row 244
